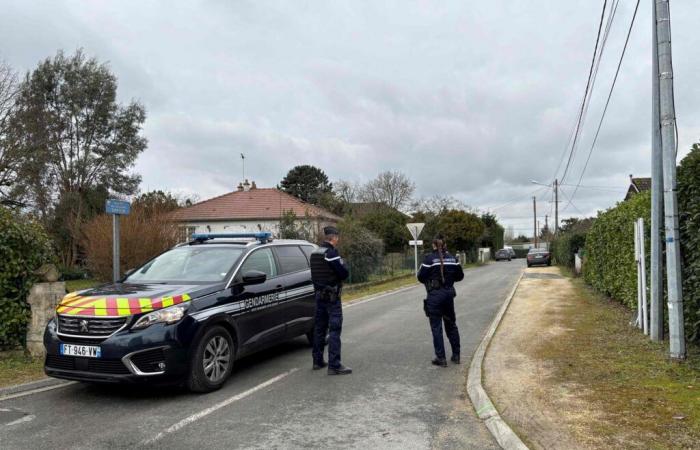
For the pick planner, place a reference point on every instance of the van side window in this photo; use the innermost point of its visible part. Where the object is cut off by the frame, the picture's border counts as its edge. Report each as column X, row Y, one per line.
column 262, row 260
column 291, row 259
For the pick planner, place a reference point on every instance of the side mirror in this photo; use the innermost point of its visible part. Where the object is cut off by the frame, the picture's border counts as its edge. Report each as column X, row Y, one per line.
column 254, row 277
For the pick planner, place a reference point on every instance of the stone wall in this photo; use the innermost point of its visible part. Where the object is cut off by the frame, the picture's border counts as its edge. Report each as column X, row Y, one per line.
column 43, row 299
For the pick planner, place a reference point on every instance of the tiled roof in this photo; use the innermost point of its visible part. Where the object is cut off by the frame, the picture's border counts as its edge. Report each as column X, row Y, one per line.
column 642, row 184
column 253, row 204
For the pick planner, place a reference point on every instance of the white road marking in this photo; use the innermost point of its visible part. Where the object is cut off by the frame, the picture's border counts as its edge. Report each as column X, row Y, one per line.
column 28, row 418
column 36, row 391
column 206, row 412
column 386, row 294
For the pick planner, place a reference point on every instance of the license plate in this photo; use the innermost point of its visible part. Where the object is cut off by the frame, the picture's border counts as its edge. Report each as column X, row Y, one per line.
column 87, row 351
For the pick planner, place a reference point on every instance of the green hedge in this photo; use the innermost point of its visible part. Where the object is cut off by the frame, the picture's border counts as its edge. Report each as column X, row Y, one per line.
column 565, row 246
column 689, row 209
column 24, row 247
column 361, row 249
column 610, row 266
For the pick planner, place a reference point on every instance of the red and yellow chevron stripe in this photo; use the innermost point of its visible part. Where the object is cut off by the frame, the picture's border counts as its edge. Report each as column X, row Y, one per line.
column 76, row 305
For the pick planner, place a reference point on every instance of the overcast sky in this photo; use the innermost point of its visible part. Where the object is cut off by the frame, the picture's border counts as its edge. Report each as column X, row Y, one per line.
column 468, row 99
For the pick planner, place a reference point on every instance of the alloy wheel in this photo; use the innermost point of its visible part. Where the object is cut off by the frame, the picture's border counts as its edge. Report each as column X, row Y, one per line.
column 217, row 357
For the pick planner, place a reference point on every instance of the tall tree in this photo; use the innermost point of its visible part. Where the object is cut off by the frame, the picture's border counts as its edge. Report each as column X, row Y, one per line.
column 68, row 116
column 10, row 158
column 307, row 183
column 392, row 188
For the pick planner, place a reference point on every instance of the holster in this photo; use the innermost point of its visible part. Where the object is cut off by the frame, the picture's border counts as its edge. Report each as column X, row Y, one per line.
column 433, row 285
column 330, row 293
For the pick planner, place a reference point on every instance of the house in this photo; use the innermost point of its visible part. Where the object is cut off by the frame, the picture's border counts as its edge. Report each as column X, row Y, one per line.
column 637, row 185
column 250, row 209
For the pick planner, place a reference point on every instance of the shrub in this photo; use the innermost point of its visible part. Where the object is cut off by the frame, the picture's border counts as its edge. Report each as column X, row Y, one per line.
column 143, row 234
column 689, row 208
column 361, row 249
column 24, row 247
column 568, row 242
column 609, row 265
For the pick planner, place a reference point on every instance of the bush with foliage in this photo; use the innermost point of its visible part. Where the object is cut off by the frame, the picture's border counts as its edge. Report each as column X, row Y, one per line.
column 144, row 233
column 689, row 208
column 389, row 224
column 571, row 239
column 293, row 228
column 361, row 249
column 24, row 246
column 610, row 266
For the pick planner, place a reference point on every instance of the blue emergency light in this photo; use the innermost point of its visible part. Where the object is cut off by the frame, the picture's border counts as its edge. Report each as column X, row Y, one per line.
column 262, row 236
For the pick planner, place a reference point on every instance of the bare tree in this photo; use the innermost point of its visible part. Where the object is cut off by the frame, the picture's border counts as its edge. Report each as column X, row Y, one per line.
column 440, row 203
column 10, row 157
column 392, row 188
column 346, row 191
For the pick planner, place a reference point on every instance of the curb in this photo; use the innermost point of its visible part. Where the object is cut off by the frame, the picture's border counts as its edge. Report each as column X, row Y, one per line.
column 33, row 385
column 483, row 405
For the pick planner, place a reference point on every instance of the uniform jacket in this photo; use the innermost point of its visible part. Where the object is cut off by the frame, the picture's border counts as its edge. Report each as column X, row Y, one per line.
column 324, row 258
column 430, row 269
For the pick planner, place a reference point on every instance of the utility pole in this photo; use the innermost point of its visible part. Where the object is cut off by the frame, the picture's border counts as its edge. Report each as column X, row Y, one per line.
column 534, row 219
column 657, row 193
column 556, row 206
column 668, row 147
column 546, row 222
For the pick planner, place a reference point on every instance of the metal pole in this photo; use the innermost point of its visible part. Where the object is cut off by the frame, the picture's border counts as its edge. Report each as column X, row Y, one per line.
column 668, row 145
column 115, row 247
column 556, row 206
column 415, row 248
column 534, row 218
column 657, row 207
column 643, row 272
column 639, row 277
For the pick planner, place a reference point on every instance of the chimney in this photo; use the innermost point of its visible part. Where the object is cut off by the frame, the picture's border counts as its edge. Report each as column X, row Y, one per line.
column 240, row 187
column 246, row 185
column 253, row 186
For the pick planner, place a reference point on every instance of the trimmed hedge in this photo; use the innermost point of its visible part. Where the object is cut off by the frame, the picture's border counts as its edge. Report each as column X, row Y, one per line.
column 361, row 249
column 610, row 266
column 24, row 247
column 689, row 209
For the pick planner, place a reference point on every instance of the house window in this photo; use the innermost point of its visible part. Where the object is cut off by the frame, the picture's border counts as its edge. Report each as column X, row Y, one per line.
column 186, row 233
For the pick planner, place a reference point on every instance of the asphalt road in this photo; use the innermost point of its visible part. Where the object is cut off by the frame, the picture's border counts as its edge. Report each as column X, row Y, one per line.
column 394, row 398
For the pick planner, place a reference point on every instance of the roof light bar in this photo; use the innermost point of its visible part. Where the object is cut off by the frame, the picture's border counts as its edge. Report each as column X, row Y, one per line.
column 262, row 236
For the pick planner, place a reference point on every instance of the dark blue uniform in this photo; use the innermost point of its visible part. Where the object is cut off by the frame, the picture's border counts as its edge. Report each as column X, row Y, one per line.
column 327, row 274
column 439, row 305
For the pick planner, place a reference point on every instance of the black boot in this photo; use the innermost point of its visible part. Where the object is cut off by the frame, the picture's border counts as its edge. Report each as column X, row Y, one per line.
column 340, row 370
column 321, row 365
column 455, row 358
column 442, row 362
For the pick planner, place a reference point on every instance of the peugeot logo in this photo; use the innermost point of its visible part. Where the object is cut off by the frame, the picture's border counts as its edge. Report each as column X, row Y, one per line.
column 84, row 326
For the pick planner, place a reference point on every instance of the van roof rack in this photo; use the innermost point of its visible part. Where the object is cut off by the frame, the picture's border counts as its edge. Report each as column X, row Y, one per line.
column 262, row 236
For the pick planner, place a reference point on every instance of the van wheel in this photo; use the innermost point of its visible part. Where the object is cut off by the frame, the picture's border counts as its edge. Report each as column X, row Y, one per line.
column 212, row 361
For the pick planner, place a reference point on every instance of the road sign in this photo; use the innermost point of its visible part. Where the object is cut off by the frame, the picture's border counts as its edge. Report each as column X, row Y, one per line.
column 417, row 242
column 119, row 207
column 415, row 229
column 116, row 208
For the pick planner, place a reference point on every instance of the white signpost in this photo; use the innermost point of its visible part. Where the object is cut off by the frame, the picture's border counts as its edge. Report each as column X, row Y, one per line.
column 415, row 229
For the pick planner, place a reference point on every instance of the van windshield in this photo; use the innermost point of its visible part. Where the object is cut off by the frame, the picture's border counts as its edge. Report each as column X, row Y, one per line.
column 190, row 264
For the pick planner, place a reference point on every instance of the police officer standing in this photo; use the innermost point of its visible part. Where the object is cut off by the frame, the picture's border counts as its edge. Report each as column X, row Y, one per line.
column 327, row 273
column 439, row 272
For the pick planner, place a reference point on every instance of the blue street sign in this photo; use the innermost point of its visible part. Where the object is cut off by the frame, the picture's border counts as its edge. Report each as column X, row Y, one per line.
column 119, row 207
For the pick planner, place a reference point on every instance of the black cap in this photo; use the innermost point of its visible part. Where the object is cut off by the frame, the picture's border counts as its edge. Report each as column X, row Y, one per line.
column 330, row 231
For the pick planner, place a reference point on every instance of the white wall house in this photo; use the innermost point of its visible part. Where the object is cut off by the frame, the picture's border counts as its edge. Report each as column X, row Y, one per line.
column 250, row 209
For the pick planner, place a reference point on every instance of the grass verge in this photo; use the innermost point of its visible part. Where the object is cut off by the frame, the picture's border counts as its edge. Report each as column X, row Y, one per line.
column 79, row 285
column 354, row 292
column 16, row 367
column 641, row 394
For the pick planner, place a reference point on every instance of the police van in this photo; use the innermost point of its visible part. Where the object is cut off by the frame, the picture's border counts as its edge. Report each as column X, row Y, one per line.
column 186, row 315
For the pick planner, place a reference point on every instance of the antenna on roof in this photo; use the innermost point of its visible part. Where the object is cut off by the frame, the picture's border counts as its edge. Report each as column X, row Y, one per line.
column 243, row 161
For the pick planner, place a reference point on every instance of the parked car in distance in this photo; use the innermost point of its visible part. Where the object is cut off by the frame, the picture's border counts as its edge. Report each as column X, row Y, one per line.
column 539, row 256
column 510, row 251
column 187, row 315
column 503, row 254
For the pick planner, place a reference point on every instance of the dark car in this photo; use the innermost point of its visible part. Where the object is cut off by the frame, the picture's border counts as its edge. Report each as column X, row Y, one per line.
column 503, row 254
column 539, row 256
column 187, row 314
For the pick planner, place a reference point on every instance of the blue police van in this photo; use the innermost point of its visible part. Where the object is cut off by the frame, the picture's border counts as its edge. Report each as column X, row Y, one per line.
column 186, row 315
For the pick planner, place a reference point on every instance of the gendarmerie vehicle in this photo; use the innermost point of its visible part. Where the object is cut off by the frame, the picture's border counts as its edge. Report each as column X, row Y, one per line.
column 187, row 314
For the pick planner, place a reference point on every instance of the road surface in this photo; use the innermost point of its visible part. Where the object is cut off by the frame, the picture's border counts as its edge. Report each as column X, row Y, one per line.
column 394, row 399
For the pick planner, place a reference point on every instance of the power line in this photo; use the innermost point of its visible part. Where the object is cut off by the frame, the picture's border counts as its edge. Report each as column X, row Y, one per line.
column 586, row 91
column 607, row 103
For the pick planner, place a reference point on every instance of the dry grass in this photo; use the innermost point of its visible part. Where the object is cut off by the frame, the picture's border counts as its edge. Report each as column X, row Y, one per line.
column 645, row 400
column 16, row 367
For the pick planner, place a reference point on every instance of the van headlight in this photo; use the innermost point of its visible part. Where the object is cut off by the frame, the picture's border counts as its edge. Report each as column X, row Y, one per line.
column 166, row 315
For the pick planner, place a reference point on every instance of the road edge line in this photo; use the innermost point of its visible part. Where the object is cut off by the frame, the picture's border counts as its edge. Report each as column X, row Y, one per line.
column 483, row 406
